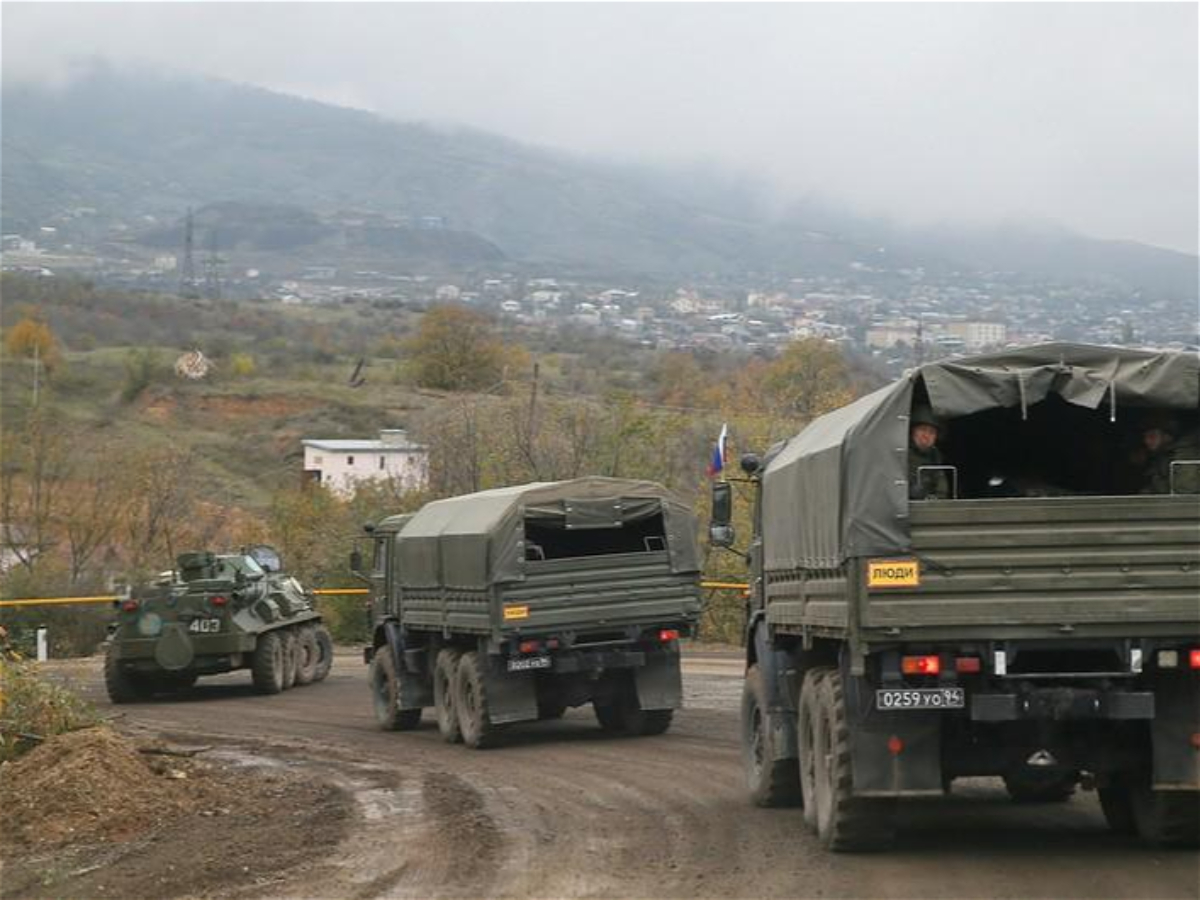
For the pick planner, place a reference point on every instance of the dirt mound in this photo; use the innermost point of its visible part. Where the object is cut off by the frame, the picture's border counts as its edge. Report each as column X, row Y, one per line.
column 86, row 785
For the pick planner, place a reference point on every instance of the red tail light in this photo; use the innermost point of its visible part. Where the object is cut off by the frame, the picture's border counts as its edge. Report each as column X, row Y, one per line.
column 668, row 634
column 218, row 600
column 529, row 646
column 1194, row 659
column 920, row 665
column 129, row 606
column 968, row 665
column 895, row 745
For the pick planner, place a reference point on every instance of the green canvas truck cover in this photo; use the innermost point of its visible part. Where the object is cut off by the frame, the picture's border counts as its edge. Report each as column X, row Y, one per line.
column 477, row 540
column 839, row 488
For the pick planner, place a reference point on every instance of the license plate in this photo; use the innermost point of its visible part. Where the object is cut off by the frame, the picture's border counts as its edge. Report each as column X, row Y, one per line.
column 921, row 698
column 204, row 626
column 525, row 663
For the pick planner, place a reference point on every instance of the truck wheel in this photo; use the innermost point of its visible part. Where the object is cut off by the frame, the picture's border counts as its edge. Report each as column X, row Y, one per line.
column 307, row 655
column 844, row 822
column 806, row 727
column 266, row 668
column 608, row 715
column 471, row 703
column 1166, row 818
column 1117, row 805
column 290, row 660
column 324, row 653
column 385, row 694
column 122, row 686
column 443, row 695
column 771, row 782
column 1032, row 786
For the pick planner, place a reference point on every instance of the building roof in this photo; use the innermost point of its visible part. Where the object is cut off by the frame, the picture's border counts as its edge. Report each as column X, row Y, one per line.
column 364, row 446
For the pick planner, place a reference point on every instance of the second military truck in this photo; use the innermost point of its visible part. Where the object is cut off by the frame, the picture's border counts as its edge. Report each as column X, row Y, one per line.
column 514, row 604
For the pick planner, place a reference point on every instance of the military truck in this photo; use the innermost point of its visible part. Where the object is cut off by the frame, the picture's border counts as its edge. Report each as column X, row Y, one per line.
column 1039, row 622
column 514, row 604
column 215, row 613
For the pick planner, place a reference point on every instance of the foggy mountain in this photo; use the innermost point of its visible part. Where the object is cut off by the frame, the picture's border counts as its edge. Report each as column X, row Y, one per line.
column 131, row 147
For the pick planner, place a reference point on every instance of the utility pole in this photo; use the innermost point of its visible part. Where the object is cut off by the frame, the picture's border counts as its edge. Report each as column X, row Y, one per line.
column 37, row 367
column 187, row 272
column 212, row 269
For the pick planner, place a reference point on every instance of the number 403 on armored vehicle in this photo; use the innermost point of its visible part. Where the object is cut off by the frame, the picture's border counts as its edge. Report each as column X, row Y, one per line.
column 514, row 604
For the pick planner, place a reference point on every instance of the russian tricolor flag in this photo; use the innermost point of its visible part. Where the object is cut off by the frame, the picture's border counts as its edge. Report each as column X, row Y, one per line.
column 716, row 465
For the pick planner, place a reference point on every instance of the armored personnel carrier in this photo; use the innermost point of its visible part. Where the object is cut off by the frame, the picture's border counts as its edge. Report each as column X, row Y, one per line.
column 215, row 613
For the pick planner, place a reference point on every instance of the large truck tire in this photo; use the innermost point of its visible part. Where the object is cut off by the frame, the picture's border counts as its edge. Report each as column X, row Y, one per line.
column 444, row 669
column 385, row 694
column 124, row 687
column 805, row 730
column 1032, row 786
column 266, row 666
column 307, row 655
column 471, row 703
column 291, row 654
column 623, row 713
column 771, row 782
column 1166, row 818
column 325, row 653
column 844, row 822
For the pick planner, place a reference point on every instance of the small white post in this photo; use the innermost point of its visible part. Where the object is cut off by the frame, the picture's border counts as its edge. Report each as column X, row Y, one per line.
column 43, row 646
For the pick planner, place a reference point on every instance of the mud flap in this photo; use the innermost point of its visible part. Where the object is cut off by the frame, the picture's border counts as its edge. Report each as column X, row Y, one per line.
column 416, row 691
column 879, row 770
column 1176, row 720
column 779, row 678
column 659, row 682
column 512, row 696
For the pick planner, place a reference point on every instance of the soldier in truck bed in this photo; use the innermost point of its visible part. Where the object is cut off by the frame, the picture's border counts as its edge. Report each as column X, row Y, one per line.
column 924, row 431
column 1163, row 444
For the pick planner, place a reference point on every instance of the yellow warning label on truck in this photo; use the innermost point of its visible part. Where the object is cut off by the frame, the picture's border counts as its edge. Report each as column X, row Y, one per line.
column 515, row 612
column 890, row 573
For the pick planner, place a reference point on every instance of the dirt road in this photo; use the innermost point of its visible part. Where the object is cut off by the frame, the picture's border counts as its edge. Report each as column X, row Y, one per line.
column 561, row 810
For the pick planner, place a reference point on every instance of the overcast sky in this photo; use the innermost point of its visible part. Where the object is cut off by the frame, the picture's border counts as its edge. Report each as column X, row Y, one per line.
column 1084, row 114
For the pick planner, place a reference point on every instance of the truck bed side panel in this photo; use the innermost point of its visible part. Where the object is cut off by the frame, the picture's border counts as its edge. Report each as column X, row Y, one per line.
column 1052, row 564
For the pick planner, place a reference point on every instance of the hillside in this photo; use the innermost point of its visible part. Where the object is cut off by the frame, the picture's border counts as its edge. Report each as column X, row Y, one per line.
column 130, row 147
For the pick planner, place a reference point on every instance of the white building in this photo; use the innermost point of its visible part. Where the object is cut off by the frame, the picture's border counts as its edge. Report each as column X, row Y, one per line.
column 338, row 464
column 980, row 335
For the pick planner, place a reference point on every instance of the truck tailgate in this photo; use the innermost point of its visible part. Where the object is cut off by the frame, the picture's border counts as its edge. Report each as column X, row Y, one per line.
column 601, row 592
column 1053, row 563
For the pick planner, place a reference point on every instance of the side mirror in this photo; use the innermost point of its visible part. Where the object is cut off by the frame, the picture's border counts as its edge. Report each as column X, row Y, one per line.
column 720, row 528
column 356, row 561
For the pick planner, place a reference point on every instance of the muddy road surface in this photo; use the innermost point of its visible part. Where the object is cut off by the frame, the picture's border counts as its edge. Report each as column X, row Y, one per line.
column 561, row 810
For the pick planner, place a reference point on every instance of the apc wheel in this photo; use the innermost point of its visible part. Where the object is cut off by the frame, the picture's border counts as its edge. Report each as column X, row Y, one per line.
column 290, row 659
column 324, row 653
column 307, row 655
column 385, row 694
column 806, row 726
column 266, row 667
column 844, row 822
column 443, row 695
column 1166, row 818
column 123, row 687
column 771, row 782
column 1117, row 804
column 471, row 703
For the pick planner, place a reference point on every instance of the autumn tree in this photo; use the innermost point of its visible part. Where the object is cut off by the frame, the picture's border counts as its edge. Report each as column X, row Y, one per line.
column 809, row 379
column 455, row 349
column 32, row 338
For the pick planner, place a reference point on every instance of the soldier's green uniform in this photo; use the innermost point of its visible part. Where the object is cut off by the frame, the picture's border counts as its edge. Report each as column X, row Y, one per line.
column 1157, row 472
column 926, row 485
